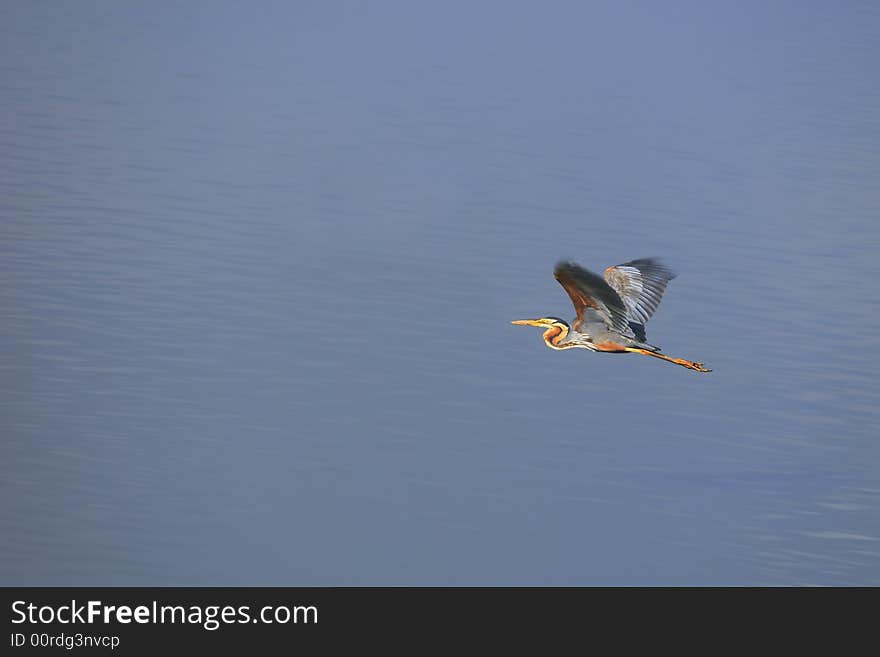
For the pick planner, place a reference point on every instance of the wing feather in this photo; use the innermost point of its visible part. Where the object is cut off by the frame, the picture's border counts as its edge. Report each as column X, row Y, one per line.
column 640, row 284
column 589, row 290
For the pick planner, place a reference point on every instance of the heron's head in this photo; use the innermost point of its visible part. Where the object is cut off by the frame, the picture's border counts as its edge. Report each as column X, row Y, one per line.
column 555, row 332
column 542, row 322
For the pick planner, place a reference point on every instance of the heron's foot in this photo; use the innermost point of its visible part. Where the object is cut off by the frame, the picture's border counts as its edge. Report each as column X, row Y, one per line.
column 690, row 364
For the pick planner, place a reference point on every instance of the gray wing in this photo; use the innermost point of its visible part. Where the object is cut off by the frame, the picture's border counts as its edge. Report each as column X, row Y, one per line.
column 589, row 290
column 640, row 284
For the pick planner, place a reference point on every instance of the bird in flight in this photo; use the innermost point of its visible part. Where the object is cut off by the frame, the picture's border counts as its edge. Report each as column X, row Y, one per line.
column 611, row 311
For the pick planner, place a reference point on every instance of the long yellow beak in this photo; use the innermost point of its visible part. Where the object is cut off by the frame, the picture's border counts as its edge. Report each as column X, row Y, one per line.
column 527, row 322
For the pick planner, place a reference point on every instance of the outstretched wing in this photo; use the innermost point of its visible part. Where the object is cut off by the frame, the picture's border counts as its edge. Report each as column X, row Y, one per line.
column 589, row 290
column 640, row 284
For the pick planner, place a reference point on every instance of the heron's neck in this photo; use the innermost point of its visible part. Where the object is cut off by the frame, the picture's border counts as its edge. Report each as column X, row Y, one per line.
column 554, row 337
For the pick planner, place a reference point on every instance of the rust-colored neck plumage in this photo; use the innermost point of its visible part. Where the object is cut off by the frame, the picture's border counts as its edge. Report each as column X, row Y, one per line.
column 555, row 335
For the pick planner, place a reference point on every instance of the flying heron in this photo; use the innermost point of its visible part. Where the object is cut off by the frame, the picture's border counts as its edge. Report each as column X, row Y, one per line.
column 611, row 311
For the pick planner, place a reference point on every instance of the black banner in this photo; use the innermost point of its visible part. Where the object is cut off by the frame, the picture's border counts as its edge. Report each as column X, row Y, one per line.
column 153, row 620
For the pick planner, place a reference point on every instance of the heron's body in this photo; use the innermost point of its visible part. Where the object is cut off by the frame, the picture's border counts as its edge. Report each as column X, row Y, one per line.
column 611, row 311
column 593, row 335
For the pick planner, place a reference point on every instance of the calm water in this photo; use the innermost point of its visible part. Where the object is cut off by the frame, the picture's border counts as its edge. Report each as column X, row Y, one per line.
column 257, row 271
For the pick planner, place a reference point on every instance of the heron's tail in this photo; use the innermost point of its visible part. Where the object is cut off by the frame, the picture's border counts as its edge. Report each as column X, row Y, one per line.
column 649, row 347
